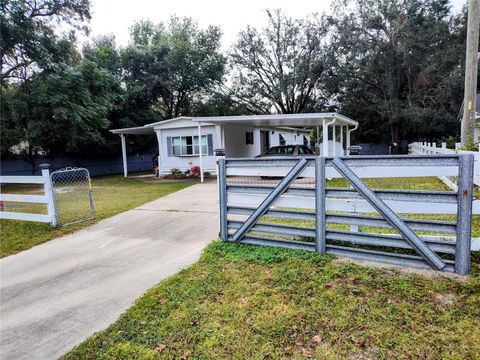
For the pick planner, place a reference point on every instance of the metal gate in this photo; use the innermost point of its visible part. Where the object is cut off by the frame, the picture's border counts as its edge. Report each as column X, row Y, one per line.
column 72, row 191
column 289, row 202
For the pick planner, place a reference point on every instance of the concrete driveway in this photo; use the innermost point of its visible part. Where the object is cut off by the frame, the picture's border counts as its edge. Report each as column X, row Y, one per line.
column 57, row 294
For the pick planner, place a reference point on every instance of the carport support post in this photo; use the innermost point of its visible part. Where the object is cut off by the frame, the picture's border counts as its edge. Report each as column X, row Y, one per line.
column 124, row 155
column 347, row 146
column 334, row 138
column 324, row 138
column 320, row 242
column 464, row 214
column 341, row 140
column 200, row 147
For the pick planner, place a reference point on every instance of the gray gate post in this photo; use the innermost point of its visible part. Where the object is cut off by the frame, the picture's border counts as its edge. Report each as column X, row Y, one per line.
column 464, row 214
column 320, row 242
column 222, row 198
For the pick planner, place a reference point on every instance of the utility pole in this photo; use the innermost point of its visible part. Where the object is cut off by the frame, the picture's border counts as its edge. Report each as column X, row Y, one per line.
column 471, row 69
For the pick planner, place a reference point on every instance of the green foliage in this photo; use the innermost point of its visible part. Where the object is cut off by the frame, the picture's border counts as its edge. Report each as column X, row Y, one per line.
column 174, row 63
column 28, row 41
column 470, row 145
column 451, row 141
column 399, row 67
column 395, row 66
column 251, row 302
column 59, row 111
column 283, row 66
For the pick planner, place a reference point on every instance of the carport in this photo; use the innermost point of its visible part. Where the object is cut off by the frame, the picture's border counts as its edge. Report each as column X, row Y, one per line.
column 141, row 130
column 335, row 128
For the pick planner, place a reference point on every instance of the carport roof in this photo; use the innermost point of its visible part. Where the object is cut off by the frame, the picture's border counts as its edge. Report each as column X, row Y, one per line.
column 140, row 130
column 304, row 120
column 286, row 120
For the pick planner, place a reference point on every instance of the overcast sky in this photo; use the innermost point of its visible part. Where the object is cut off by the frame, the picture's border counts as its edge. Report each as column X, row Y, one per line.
column 116, row 16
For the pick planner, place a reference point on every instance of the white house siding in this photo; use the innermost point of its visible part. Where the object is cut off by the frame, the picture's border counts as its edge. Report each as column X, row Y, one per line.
column 185, row 162
column 236, row 144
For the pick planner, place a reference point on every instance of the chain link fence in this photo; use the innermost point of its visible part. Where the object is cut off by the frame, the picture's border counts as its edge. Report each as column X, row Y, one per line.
column 73, row 195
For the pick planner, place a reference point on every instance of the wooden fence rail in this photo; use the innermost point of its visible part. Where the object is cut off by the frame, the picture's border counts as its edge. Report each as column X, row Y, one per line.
column 47, row 198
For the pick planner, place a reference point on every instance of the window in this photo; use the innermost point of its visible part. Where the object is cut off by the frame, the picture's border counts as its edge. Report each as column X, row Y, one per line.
column 249, row 137
column 304, row 150
column 281, row 150
column 188, row 145
column 281, row 140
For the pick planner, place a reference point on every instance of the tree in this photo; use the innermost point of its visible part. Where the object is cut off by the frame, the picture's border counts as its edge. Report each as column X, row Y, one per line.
column 61, row 112
column 28, row 41
column 146, row 76
column 103, row 51
column 282, row 67
column 397, row 66
column 183, row 61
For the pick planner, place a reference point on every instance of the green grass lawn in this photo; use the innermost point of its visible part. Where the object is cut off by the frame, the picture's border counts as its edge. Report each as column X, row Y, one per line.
column 111, row 194
column 249, row 302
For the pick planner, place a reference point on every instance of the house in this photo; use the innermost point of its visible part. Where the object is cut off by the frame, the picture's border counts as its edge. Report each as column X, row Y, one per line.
column 238, row 136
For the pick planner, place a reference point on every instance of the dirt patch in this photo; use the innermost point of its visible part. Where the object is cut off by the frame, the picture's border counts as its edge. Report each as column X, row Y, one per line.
column 445, row 300
column 397, row 269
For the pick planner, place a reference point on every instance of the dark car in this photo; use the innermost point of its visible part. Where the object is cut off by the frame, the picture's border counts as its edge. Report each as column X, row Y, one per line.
column 288, row 150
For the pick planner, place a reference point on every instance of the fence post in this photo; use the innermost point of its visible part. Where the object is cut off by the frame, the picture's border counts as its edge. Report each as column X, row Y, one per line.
column 51, row 205
column 222, row 198
column 464, row 214
column 320, row 223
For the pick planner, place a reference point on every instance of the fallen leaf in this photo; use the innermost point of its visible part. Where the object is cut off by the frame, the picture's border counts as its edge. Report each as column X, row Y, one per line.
column 361, row 343
column 317, row 339
column 185, row 355
column 308, row 353
column 161, row 347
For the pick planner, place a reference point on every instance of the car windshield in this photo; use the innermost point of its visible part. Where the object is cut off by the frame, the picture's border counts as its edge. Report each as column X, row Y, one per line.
column 282, row 150
column 304, row 150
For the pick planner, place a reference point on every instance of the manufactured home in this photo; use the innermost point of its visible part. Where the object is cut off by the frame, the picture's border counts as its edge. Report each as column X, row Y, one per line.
column 238, row 136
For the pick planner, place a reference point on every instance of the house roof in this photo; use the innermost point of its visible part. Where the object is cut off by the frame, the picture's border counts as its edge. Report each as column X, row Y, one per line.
column 296, row 121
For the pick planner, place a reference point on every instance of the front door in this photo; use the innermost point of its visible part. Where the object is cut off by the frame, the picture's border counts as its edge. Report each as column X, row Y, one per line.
column 264, row 141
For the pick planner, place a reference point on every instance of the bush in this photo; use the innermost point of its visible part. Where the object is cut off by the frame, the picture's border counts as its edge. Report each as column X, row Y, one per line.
column 451, row 142
column 176, row 173
column 195, row 171
column 470, row 146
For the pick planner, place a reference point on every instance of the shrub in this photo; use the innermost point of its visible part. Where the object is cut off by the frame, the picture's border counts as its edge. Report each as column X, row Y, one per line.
column 470, row 146
column 451, row 142
column 176, row 172
column 195, row 170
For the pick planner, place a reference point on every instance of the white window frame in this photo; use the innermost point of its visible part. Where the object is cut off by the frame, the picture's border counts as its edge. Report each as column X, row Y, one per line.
column 183, row 147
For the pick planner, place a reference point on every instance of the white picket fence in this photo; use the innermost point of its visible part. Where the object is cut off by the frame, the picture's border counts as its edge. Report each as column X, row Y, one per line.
column 425, row 148
column 47, row 198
